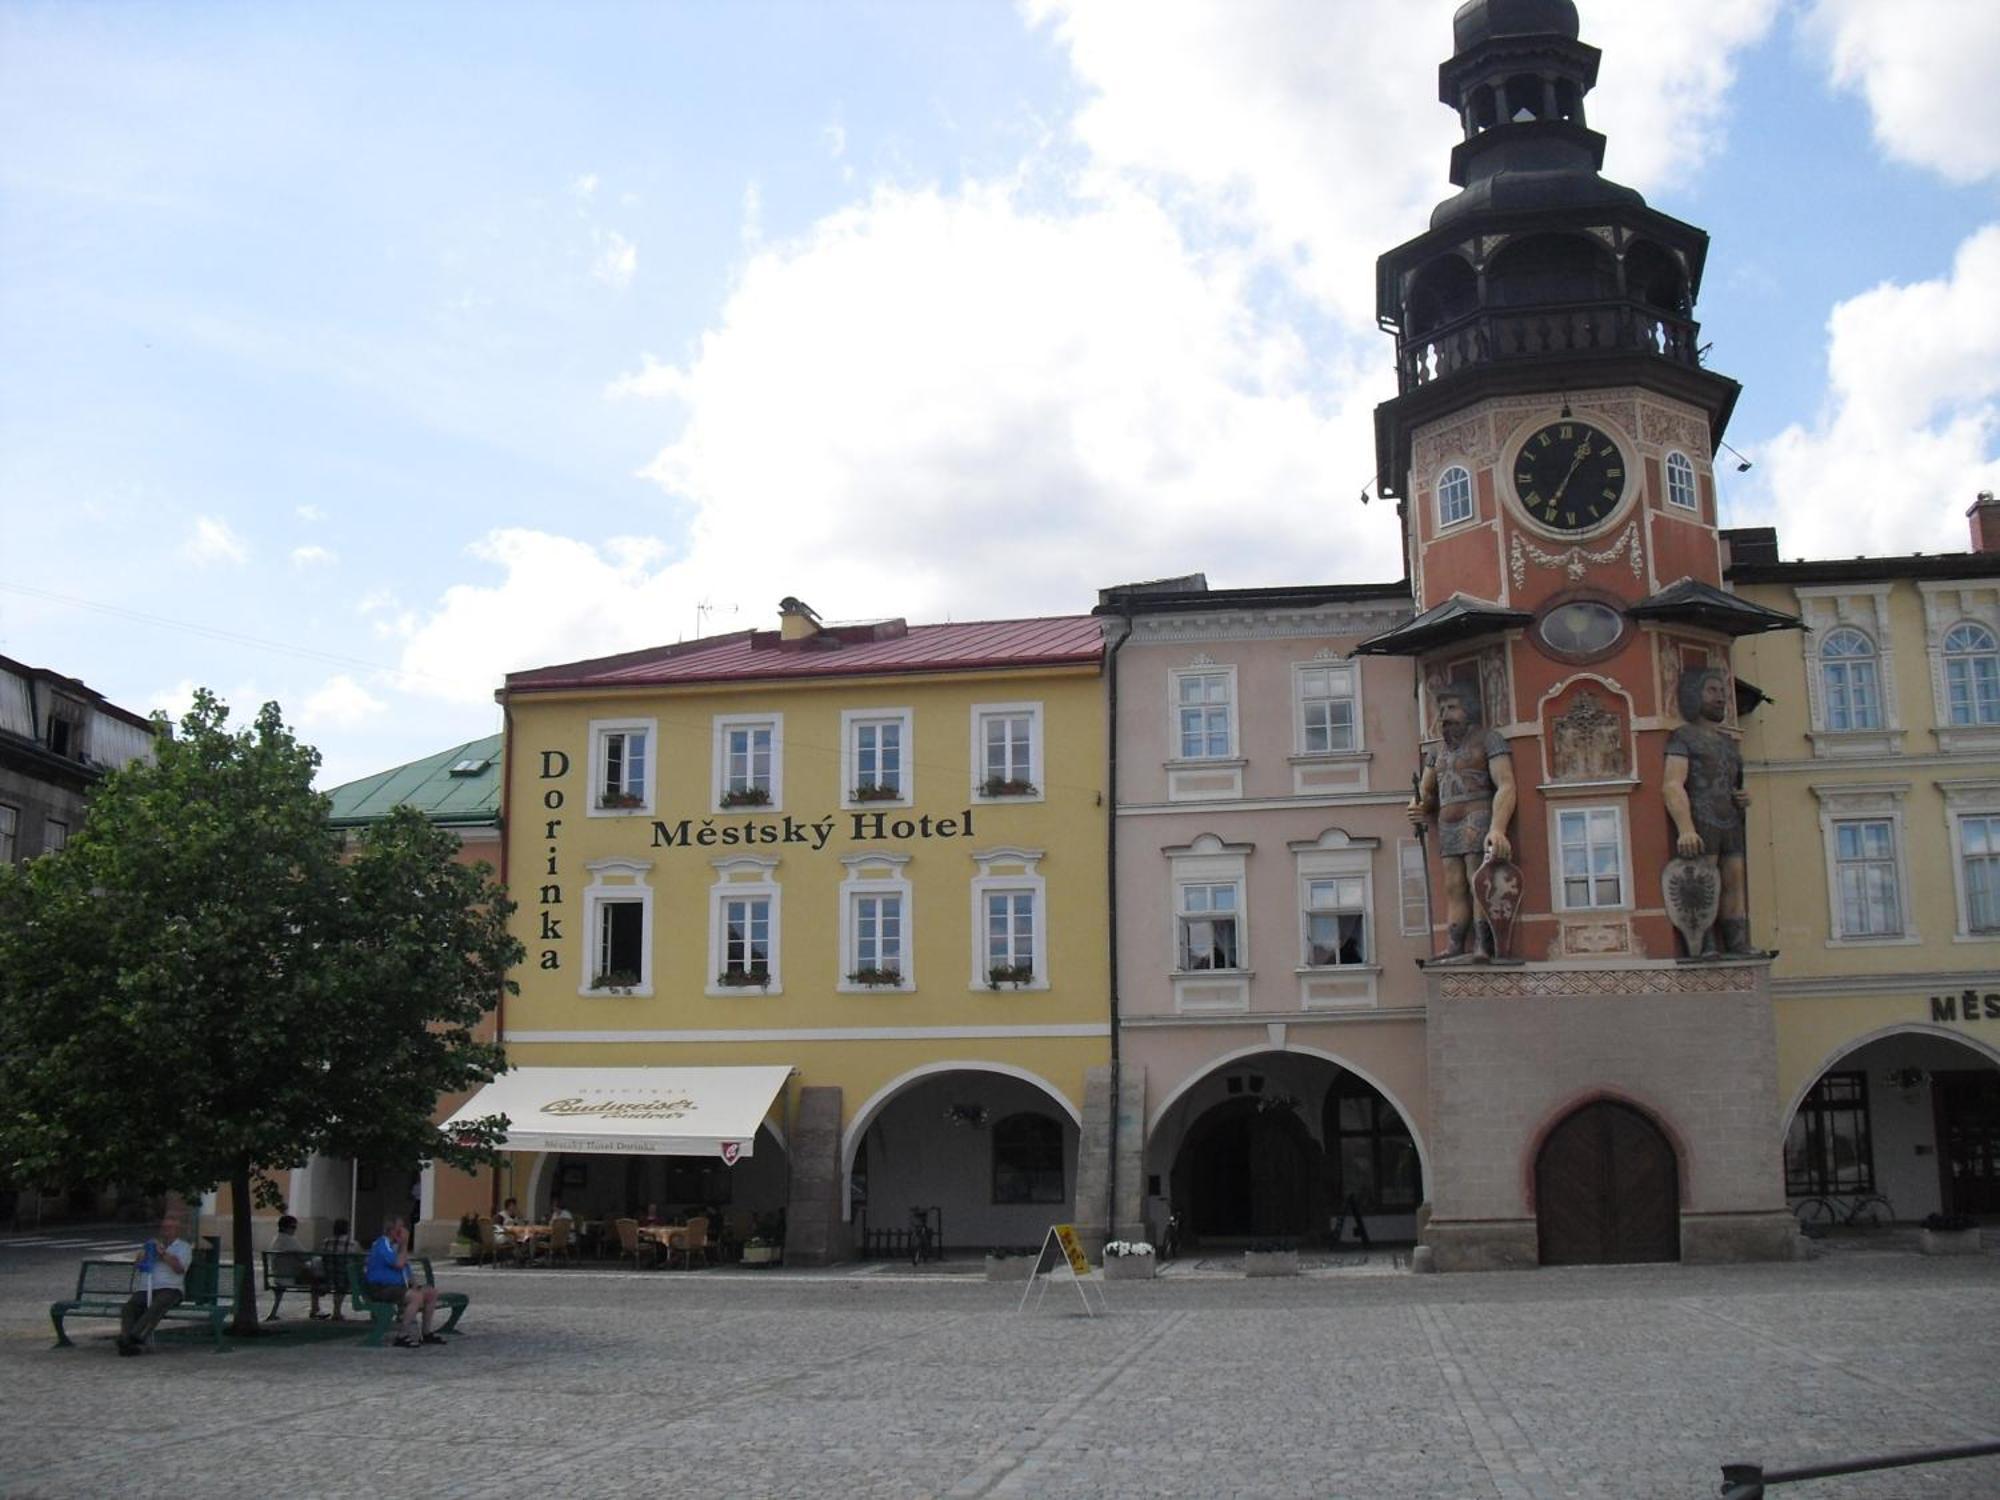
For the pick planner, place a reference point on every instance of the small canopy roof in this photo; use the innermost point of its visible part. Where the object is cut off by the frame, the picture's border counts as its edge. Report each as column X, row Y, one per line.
column 1459, row 618
column 1689, row 601
column 630, row 1111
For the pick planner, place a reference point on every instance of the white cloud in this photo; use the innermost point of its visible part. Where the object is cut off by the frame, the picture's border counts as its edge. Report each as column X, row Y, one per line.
column 1318, row 128
column 309, row 513
column 313, row 556
column 1911, row 429
column 340, row 703
column 1926, row 70
column 242, row 701
column 585, row 187
column 617, row 259
column 834, row 138
column 212, row 541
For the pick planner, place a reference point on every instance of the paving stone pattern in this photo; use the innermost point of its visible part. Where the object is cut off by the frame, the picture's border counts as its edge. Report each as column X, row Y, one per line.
column 1609, row 1383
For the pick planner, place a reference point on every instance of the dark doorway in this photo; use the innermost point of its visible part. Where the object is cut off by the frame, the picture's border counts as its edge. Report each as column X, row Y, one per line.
column 1249, row 1169
column 1968, row 1132
column 1607, row 1191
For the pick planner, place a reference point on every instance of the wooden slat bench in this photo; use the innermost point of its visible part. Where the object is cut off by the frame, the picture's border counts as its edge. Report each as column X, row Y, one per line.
column 102, row 1287
column 293, row 1271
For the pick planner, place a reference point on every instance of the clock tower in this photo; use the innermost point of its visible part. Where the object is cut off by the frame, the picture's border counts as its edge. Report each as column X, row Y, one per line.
column 1552, row 442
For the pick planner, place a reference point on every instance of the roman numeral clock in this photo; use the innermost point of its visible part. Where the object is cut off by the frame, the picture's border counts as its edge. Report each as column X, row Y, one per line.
column 1569, row 475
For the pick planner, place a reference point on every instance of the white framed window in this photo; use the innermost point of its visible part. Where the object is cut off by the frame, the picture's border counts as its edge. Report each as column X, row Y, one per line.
column 1979, row 871
column 1413, row 888
column 1866, row 879
column 1009, row 921
column 1590, row 857
column 1207, row 914
column 55, row 835
column 1007, row 752
column 1204, row 700
column 876, row 946
column 744, row 931
column 617, row 928
column 1454, row 496
column 1329, row 710
column 1335, row 921
column 1681, row 489
column 749, row 761
column 1971, row 674
column 622, row 771
column 1851, row 687
column 10, row 832
column 877, row 758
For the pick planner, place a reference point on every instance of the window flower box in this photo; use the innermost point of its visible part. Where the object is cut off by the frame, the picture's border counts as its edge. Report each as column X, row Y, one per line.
column 876, row 978
column 746, row 796
column 1129, row 1260
column 1271, row 1258
column 1010, row 974
column 1000, row 786
column 743, row 979
column 875, row 791
column 621, row 799
column 616, row 982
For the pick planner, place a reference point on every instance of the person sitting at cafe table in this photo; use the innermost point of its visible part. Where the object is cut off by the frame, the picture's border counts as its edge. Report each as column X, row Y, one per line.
column 291, row 1261
column 388, row 1279
column 557, row 1211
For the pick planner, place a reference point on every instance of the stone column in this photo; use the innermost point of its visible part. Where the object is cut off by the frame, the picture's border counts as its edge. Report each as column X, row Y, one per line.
column 1093, row 1161
column 814, row 1233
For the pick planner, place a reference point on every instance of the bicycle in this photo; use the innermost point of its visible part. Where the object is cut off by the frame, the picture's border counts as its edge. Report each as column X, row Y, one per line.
column 1818, row 1214
column 922, row 1244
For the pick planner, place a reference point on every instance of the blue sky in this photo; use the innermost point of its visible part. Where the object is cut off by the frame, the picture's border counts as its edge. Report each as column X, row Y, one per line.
column 359, row 354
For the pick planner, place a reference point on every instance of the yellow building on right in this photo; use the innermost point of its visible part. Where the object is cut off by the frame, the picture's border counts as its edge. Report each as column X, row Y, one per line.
column 1871, row 745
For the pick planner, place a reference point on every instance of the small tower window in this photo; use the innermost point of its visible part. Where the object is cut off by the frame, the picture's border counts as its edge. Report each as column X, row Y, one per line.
column 1454, row 496
column 1680, row 481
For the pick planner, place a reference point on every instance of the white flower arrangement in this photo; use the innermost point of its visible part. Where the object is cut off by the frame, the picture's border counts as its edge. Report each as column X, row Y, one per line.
column 1117, row 1249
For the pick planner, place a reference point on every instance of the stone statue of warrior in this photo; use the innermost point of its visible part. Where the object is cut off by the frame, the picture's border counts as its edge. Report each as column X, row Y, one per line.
column 1468, row 784
column 1704, row 794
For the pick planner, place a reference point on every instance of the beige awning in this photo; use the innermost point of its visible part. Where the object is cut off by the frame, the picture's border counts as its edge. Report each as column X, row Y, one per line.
column 630, row 1111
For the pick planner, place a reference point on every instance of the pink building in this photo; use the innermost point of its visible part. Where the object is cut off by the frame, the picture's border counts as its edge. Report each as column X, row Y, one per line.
column 1271, row 906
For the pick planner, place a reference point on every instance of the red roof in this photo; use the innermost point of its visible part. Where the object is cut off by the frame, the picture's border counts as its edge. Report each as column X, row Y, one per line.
column 883, row 646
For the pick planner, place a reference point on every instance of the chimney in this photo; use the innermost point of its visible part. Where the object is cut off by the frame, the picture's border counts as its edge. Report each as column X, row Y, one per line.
column 798, row 622
column 1985, row 514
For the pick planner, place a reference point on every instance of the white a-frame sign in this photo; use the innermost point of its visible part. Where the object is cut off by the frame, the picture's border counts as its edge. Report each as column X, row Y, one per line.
column 1062, row 1253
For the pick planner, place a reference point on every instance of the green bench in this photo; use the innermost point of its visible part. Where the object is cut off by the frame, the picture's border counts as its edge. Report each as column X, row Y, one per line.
column 382, row 1315
column 294, row 1271
column 102, row 1286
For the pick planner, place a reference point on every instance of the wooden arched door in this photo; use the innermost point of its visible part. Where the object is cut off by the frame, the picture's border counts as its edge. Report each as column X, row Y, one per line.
column 1607, row 1190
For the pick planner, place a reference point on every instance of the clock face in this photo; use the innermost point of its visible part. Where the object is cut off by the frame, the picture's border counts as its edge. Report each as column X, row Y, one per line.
column 1569, row 475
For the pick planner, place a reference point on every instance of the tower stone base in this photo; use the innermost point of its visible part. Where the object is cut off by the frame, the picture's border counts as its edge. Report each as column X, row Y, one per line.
column 1514, row 1052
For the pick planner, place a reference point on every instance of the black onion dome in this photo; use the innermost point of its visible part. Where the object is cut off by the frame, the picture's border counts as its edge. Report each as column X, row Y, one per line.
column 1482, row 20
column 1524, row 185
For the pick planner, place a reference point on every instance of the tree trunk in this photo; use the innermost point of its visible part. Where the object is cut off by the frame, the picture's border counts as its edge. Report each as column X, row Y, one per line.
column 241, row 1250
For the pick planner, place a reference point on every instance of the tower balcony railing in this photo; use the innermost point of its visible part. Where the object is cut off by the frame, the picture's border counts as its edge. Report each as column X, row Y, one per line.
column 1618, row 326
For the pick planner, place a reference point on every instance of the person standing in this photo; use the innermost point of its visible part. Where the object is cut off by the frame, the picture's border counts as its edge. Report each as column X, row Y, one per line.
column 162, row 1274
column 387, row 1279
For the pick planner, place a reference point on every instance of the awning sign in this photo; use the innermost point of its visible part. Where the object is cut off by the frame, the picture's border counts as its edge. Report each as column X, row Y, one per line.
column 630, row 1111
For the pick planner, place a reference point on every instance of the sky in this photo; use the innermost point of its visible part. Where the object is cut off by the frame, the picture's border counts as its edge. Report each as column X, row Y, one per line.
column 357, row 355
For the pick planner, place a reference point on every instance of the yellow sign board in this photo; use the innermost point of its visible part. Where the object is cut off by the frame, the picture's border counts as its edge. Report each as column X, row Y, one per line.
column 1072, row 1249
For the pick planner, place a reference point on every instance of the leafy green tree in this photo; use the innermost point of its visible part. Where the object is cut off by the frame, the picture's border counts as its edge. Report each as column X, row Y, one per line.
column 205, row 986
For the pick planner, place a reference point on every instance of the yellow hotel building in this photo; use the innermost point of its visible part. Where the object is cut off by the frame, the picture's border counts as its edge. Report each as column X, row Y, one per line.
column 1874, row 841
column 869, row 857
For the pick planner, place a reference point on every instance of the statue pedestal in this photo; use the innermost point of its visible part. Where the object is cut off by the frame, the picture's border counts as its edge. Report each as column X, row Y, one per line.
column 1674, row 1065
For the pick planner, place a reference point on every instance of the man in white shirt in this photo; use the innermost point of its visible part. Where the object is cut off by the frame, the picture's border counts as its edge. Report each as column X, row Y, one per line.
column 161, row 1282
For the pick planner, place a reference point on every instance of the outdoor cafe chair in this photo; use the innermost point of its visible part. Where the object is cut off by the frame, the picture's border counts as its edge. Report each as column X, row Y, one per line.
column 558, row 1245
column 491, row 1242
column 689, row 1242
column 632, row 1246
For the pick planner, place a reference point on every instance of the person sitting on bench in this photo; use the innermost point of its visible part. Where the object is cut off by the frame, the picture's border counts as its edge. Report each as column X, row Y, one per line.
column 291, row 1261
column 387, row 1277
column 162, row 1275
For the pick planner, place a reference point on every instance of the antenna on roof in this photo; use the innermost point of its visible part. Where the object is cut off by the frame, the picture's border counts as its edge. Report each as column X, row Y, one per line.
column 706, row 608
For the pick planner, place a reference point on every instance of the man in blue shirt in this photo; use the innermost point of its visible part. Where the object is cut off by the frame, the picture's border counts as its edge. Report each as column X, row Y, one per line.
column 388, row 1279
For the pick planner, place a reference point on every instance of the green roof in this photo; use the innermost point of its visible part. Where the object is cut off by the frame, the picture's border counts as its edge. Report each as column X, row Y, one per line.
column 456, row 787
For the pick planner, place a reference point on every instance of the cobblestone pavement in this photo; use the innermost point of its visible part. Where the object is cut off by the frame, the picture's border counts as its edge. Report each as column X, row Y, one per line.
column 1609, row 1383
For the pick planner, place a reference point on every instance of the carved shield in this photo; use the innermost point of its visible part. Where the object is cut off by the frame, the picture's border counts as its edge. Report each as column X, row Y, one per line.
column 1497, row 884
column 1692, row 889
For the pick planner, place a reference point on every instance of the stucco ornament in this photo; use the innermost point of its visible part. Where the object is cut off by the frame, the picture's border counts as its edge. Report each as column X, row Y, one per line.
column 1589, row 741
column 1574, row 560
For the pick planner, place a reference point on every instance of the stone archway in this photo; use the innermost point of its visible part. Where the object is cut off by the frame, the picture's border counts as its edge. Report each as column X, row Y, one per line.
column 1607, row 1189
column 1247, row 1169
